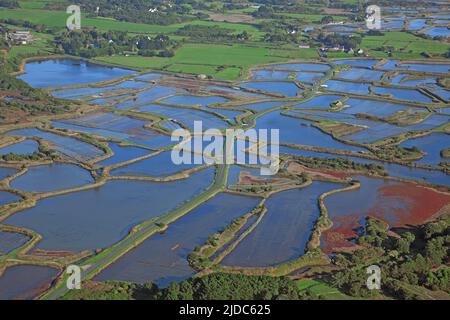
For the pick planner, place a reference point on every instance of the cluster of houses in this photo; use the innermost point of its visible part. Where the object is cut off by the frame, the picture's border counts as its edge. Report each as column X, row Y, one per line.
column 342, row 49
column 19, row 37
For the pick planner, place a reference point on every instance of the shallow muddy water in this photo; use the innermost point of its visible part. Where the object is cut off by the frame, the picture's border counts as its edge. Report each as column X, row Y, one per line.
column 123, row 154
column 25, row 282
column 162, row 258
column 10, row 241
column 97, row 218
column 432, row 144
column 53, row 177
column 25, row 147
column 58, row 73
column 284, row 231
column 70, row 147
column 160, row 165
column 288, row 89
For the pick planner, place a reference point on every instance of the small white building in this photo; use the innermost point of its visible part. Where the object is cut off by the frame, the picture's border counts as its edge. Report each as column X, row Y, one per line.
column 20, row 36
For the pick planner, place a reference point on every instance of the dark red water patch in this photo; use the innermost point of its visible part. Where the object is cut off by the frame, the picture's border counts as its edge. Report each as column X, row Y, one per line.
column 423, row 203
column 396, row 203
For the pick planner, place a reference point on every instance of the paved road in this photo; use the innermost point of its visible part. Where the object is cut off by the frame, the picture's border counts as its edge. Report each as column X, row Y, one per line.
column 144, row 232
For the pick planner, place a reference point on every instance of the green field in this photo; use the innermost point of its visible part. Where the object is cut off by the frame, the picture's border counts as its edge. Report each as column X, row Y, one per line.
column 206, row 58
column 58, row 19
column 313, row 17
column 406, row 45
column 321, row 290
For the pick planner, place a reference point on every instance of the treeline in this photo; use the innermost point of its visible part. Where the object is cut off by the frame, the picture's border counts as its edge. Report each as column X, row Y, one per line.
column 139, row 11
column 418, row 258
column 338, row 40
column 35, row 156
column 26, row 24
column 211, row 33
column 92, row 43
column 10, row 4
column 340, row 164
column 217, row 286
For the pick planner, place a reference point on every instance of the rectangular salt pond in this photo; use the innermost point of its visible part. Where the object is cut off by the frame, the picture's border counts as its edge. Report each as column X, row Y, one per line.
column 444, row 94
column 218, row 89
column 376, row 108
column 68, row 72
column 186, row 116
column 110, row 100
column 162, row 258
column 160, row 165
column 417, row 24
column 123, row 154
column 25, row 282
column 10, row 241
column 360, row 74
column 6, row 172
column 148, row 76
column 97, row 92
column 116, row 127
column 98, row 218
column 403, row 94
column 309, row 77
column 261, row 106
column 283, row 233
column 350, row 87
column 363, row 63
column 8, row 197
column 270, row 75
column 402, row 80
column 288, row 89
column 432, row 144
column 438, row 32
column 70, row 147
column 26, row 147
column 188, row 100
column 53, row 177
column 147, row 96
column 302, row 67
column 422, row 67
column 320, row 102
column 298, row 131
column 228, row 114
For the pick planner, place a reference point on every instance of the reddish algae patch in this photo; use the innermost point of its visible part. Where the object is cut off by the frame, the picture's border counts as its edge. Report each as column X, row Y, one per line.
column 397, row 203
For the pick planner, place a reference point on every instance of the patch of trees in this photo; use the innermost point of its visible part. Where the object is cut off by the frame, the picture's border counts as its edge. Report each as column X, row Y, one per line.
column 338, row 40
column 339, row 164
column 25, row 24
column 221, row 286
column 265, row 12
column 417, row 258
column 160, row 46
column 10, row 4
column 216, row 286
column 35, row 156
column 211, row 33
column 92, row 43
